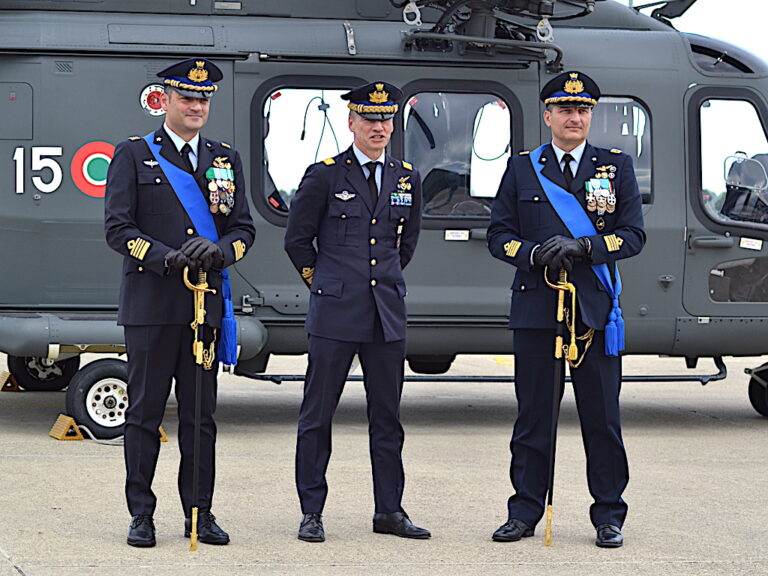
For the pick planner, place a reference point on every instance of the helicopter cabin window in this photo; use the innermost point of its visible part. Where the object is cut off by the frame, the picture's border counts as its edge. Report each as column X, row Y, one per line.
column 460, row 143
column 301, row 126
column 624, row 123
column 734, row 191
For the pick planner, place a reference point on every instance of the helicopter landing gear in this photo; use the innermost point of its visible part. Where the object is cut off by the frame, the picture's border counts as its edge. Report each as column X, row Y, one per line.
column 758, row 389
column 98, row 397
column 41, row 374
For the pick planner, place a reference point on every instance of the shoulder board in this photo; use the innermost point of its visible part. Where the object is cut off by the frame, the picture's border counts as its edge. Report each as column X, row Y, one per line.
column 329, row 161
column 524, row 152
column 406, row 165
column 615, row 151
column 132, row 138
column 225, row 145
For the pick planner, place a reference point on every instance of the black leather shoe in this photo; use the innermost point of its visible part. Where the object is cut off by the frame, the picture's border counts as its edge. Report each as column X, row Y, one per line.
column 141, row 532
column 399, row 524
column 311, row 528
column 609, row 536
column 208, row 532
column 512, row 531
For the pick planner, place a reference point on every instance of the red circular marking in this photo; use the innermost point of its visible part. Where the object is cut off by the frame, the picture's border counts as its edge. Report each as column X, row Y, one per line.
column 153, row 100
column 78, row 164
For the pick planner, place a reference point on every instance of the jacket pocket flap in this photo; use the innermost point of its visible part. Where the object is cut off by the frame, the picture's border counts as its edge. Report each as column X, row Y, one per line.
column 327, row 287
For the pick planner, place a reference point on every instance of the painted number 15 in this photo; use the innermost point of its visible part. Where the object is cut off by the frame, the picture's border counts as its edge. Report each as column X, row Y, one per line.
column 41, row 159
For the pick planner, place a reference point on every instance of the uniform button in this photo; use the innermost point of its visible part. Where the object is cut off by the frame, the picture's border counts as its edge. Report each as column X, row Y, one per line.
column 320, row 291
column 343, row 216
column 157, row 180
column 535, row 198
column 141, row 268
column 190, row 231
column 373, row 261
column 373, row 221
column 373, row 241
column 522, row 286
column 402, row 219
column 373, row 282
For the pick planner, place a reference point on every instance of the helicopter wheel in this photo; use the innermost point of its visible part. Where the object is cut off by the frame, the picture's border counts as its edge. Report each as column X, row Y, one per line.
column 98, row 397
column 41, row 374
column 758, row 394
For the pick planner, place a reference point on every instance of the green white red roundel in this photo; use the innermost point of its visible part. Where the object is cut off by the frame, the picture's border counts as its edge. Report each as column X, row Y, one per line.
column 89, row 168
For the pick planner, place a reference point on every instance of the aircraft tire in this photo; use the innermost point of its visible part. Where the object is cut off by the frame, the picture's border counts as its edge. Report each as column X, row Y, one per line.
column 758, row 396
column 98, row 396
column 37, row 375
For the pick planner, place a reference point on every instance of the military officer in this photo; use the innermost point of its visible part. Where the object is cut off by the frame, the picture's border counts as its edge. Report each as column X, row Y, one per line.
column 363, row 210
column 567, row 205
column 174, row 199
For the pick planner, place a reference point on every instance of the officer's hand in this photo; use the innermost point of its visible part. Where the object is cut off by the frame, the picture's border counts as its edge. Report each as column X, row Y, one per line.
column 203, row 253
column 176, row 260
column 573, row 247
column 552, row 259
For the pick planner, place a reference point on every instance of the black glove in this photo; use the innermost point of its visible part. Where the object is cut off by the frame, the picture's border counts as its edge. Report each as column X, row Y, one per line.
column 203, row 253
column 552, row 259
column 176, row 260
column 558, row 247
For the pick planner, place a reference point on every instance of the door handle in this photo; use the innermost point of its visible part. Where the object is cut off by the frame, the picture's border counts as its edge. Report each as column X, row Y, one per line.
column 478, row 234
column 712, row 242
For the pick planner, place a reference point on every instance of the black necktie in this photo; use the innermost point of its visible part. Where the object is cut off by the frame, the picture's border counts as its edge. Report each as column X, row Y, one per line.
column 372, row 181
column 567, row 158
column 186, row 150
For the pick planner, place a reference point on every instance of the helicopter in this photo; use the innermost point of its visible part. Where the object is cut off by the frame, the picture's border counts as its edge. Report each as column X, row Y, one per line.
column 80, row 76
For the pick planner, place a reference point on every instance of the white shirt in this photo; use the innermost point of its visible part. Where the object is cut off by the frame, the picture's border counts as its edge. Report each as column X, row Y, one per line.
column 577, row 153
column 179, row 142
column 363, row 160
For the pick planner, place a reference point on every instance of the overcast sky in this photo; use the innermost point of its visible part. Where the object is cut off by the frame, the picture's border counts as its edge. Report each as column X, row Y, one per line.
column 740, row 22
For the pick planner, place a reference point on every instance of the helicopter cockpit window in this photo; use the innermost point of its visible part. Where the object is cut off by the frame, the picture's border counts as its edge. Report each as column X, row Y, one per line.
column 734, row 191
column 624, row 123
column 301, row 126
column 734, row 163
column 460, row 143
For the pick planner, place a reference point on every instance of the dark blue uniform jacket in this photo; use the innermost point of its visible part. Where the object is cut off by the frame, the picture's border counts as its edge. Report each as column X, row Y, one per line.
column 522, row 217
column 144, row 220
column 355, row 268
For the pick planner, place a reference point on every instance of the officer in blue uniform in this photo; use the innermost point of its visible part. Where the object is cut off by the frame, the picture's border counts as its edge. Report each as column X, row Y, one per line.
column 147, row 223
column 527, row 230
column 362, row 208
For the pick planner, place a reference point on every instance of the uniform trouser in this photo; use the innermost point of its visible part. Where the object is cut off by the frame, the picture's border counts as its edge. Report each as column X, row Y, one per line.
column 329, row 363
column 596, row 385
column 156, row 355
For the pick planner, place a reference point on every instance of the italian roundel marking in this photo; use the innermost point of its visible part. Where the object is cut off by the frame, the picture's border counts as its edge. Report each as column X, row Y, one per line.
column 89, row 168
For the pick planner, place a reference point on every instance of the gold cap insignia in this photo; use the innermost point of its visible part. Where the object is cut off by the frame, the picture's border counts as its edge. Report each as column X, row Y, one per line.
column 379, row 96
column 199, row 73
column 574, row 85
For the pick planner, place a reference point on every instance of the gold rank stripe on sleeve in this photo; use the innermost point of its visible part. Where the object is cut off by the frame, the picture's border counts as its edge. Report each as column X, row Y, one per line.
column 307, row 273
column 511, row 248
column 613, row 242
column 239, row 247
column 138, row 247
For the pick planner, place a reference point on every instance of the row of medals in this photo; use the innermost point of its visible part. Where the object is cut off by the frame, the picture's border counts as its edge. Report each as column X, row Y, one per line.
column 603, row 200
column 221, row 191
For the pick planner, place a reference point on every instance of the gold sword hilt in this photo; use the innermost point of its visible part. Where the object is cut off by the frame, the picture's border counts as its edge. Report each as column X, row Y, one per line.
column 562, row 286
column 200, row 289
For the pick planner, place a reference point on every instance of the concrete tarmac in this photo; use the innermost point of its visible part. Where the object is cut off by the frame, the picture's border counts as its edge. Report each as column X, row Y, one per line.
column 698, row 496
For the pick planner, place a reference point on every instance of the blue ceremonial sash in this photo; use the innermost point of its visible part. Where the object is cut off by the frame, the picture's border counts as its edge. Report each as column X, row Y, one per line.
column 578, row 223
column 191, row 198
